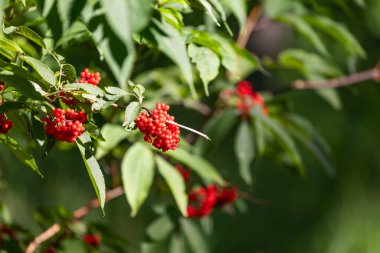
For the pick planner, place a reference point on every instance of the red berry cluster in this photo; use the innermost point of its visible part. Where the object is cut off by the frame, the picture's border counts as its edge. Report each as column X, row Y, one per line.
column 92, row 239
column 65, row 125
column 5, row 124
column 88, row 77
column 157, row 131
column 203, row 200
column 185, row 173
column 245, row 98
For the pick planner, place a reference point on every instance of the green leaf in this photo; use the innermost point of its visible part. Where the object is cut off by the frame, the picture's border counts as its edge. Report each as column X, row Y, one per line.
column 84, row 144
column 160, row 229
column 198, row 164
column 312, row 66
column 330, row 96
column 239, row 9
column 177, row 54
column 90, row 89
column 173, row 17
column 210, row 10
column 24, row 157
column 177, row 244
column 245, row 150
column 26, row 32
column 137, row 170
column 282, row 137
column 69, row 72
column 131, row 113
column 9, row 49
column 176, row 183
column 259, row 136
column 300, row 24
column 194, row 236
column 207, row 63
column 115, row 93
column 42, row 70
column 11, row 106
column 339, row 32
column 113, row 135
column 20, row 83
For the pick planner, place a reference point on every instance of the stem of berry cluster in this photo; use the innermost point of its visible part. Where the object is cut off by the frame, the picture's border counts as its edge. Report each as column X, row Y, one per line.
column 189, row 129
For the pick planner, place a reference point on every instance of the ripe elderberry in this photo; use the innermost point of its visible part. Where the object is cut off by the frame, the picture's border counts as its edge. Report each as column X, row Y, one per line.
column 65, row 125
column 1, row 87
column 88, row 77
column 5, row 124
column 248, row 98
column 93, row 240
column 203, row 200
column 157, row 131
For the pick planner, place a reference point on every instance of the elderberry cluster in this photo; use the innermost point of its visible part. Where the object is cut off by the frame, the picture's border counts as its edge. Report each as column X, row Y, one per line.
column 156, row 128
column 65, row 125
column 203, row 200
column 244, row 98
column 88, row 77
column 5, row 124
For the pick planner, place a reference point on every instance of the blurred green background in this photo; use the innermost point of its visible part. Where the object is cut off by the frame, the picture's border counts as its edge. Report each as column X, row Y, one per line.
column 313, row 214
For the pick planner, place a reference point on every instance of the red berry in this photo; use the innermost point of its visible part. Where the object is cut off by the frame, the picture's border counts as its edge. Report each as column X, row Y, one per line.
column 5, row 124
column 226, row 196
column 93, row 240
column 66, row 125
column 157, row 131
column 1, row 87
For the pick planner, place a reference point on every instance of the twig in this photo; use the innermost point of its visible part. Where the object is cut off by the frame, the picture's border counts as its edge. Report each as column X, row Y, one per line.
column 188, row 128
column 77, row 215
column 251, row 22
column 371, row 74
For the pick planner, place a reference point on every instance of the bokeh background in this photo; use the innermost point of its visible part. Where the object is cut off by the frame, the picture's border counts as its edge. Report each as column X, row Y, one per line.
column 310, row 214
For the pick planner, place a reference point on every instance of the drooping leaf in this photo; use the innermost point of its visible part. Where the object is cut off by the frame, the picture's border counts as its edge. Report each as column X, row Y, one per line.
column 245, row 150
column 160, row 229
column 173, row 17
column 177, row 54
column 84, row 144
column 238, row 8
column 259, row 136
column 24, row 157
column 194, row 236
column 331, row 96
column 137, row 170
column 26, row 32
column 42, row 70
column 177, row 244
column 207, row 63
column 198, row 164
column 300, row 24
column 282, row 137
column 175, row 182
column 338, row 32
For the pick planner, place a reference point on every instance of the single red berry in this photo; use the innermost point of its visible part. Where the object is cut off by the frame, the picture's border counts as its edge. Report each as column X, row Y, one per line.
column 1, row 87
column 92, row 239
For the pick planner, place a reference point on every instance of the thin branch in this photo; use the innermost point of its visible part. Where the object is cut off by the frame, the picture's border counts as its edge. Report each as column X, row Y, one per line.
column 250, row 25
column 77, row 215
column 371, row 74
column 189, row 129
